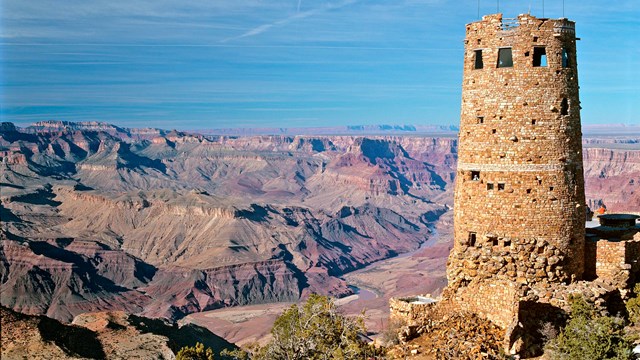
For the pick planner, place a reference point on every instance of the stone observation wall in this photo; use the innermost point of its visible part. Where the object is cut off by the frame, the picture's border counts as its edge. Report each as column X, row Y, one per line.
column 519, row 198
column 497, row 301
column 411, row 312
column 615, row 261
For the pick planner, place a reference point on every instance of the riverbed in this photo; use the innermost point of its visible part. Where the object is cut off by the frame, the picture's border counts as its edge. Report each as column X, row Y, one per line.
column 418, row 272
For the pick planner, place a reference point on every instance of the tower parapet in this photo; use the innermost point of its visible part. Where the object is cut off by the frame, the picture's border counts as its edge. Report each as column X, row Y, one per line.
column 519, row 199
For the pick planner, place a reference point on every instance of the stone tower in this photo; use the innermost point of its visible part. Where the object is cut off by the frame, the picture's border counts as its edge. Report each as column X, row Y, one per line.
column 519, row 208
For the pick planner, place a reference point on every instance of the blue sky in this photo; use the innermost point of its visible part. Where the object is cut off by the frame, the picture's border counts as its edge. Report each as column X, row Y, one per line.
column 258, row 63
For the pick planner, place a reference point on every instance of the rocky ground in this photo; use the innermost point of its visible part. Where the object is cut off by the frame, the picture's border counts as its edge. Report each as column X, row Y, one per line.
column 461, row 336
column 103, row 335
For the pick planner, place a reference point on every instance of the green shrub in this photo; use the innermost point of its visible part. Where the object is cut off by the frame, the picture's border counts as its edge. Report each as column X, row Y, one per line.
column 316, row 330
column 589, row 336
column 196, row 352
column 633, row 306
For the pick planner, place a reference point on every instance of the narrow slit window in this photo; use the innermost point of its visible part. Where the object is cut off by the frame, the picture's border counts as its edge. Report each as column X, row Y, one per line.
column 478, row 64
column 480, row 119
column 475, row 175
column 565, row 58
column 539, row 56
column 472, row 239
column 505, row 59
column 489, row 186
column 564, row 107
column 500, row 186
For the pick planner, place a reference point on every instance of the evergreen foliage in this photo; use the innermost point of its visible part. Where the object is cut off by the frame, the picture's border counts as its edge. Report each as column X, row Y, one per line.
column 590, row 336
column 197, row 352
column 633, row 306
column 316, row 331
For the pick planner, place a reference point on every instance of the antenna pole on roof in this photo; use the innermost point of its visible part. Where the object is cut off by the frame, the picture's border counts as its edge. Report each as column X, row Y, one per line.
column 478, row 9
column 498, row 6
column 542, row 8
column 562, row 8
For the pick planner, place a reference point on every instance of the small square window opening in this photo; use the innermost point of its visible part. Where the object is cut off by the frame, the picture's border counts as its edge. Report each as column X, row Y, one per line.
column 489, row 186
column 480, row 119
column 475, row 175
column 500, row 186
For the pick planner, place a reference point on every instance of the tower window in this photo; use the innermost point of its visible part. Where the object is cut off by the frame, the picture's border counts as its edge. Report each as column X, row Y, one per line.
column 539, row 56
column 507, row 243
column 475, row 175
column 564, row 107
column 493, row 240
column 472, row 239
column 489, row 186
column 505, row 58
column 478, row 64
column 533, row 122
column 565, row 58
column 500, row 186
column 480, row 119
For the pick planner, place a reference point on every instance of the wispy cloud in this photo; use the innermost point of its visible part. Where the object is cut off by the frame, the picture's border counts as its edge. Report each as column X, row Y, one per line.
column 268, row 61
column 297, row 16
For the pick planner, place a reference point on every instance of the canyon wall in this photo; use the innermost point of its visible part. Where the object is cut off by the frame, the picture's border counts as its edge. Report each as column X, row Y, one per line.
column 166, row 223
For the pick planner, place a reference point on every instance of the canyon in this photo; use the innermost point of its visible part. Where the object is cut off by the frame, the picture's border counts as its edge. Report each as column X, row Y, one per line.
column 166, row 224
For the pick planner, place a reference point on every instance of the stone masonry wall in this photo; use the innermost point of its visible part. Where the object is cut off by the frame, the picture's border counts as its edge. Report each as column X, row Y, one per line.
column 613, row 261
column 497, row 301
column 633, row 255
column 617, row 260
column 610, row 258
column 519, row 199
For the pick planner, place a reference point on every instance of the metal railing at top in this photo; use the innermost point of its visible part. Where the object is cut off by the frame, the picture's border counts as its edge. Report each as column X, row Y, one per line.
column 510, row 23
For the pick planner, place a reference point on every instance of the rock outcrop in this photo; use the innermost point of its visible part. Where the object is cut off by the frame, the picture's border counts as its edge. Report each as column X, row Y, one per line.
column 101, row 335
